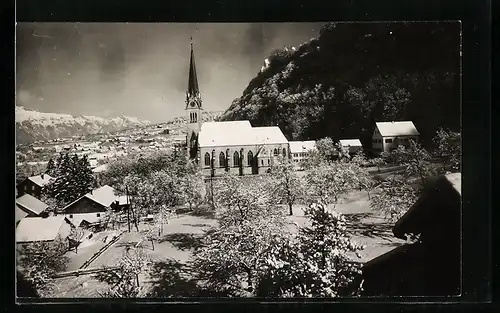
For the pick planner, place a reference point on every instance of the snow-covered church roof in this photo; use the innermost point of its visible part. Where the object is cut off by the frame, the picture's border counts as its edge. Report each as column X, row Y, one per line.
column 238, row 133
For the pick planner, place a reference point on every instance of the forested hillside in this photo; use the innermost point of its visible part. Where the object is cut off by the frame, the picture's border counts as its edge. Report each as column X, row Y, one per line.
column 353, row 75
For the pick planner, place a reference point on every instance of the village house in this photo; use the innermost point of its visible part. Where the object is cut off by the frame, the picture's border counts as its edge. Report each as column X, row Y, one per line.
column 300, row 150
column 387, row 136
column 92, row 207
column 29, row 206
column 33, row 185
column 430, row 266
column 354, row 145
column 42, row 229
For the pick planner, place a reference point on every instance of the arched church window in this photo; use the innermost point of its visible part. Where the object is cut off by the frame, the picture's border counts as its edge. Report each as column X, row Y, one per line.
column 275, row 152
column 284, row 152
column 195, row 117
column 222, row 159
column 250, row 158
column 207, row 159
column 236, row 159
column 190, row 117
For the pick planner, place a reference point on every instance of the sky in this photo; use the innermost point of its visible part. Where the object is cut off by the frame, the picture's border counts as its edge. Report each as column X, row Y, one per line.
column 139, row 69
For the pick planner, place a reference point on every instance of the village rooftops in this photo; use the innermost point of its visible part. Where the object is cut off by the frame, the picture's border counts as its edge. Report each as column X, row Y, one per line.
column 104, row 196
column 405, row 128
column 20, row 214
column 269, row 135
column 238, row 133
column 40, row 180
column 302, row 146
column 439, row 203
column 350, row 143
column 32, row 229
column 29, row 203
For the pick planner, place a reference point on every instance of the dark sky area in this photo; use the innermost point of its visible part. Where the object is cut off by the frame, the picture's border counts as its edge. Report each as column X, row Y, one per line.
column 141, row 69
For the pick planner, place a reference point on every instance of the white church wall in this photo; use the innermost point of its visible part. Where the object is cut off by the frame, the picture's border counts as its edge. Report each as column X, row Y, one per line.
column 266, row 155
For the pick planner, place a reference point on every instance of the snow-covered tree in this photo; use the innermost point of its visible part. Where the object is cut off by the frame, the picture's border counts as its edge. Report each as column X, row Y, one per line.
column 193, row 186
column 415, row 159
column 123, row 279
column 232, row 257
column 359, row 158
column 39, row 261
column 342, row 152
column 232, row 254
column 149, row 194
column 395, row 197
column 240, row 198
column 449, row 147
column 329, row 181
column 326, row 148
column 73, row 178
column 51, row 167
column 378, row 162
column 315, row 263
column 288, row 186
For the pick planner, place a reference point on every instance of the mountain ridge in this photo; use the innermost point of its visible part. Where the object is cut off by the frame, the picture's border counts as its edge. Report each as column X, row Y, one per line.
column 32, row 125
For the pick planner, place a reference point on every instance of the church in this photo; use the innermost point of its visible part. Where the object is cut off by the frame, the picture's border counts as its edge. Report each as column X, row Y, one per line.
column 234, row 147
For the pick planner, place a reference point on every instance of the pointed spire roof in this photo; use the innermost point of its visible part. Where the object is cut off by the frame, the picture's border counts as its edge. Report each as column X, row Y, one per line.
column 193, row 89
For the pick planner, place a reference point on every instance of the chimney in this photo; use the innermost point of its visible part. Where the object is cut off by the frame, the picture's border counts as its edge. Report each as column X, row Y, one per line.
column 91, row 191
column 42, row 175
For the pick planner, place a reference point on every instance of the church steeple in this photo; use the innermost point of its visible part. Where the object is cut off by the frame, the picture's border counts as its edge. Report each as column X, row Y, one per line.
column 193, row 97
column 194, row 109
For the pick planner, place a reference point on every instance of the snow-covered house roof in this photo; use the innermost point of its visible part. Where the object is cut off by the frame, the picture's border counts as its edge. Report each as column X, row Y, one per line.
column 104, row 196
column 439, row 200
column 33, row 229
column 269, row 135
column 301, row 146
column 350, row 143
column 238, row 133
column 231, row 133
column 20, row 214
column 405, row 128
column 31, row 204
column 40, row 180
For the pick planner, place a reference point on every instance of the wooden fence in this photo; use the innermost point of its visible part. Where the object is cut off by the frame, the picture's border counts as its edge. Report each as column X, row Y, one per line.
column 101, row 251
column 79, row 272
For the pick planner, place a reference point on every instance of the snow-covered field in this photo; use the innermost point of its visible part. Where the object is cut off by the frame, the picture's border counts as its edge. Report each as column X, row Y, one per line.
column 172, row 253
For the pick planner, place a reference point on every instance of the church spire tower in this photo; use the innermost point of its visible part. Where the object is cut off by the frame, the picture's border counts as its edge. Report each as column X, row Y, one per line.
column 194, row 108
column 193, row 97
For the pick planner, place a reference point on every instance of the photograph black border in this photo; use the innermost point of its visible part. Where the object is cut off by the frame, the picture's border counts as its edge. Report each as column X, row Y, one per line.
column 475, row 17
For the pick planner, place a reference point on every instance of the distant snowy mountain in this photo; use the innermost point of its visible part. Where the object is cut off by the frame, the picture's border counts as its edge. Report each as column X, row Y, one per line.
column 32, row 125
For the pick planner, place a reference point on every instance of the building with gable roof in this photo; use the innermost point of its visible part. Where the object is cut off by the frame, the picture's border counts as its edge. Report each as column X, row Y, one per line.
column 387, row 136
column 354, row 145
column 431, row 265
column 300, row 150
column 235, row 146
column 39, row 229
column 30, row 205
column 92, row 206
column 33, row 185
